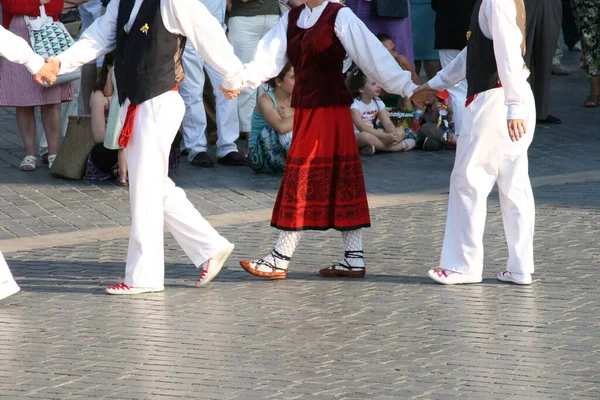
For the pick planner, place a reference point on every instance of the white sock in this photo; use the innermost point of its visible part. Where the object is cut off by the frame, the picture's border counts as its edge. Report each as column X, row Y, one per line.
column 353, row 246
column 284, row 249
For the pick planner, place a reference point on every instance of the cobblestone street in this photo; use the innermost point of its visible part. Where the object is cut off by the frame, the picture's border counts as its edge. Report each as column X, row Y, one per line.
column 393, row 335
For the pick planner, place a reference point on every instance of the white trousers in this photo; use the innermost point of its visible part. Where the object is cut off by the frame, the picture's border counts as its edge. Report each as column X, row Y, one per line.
column 194, row 121
column 156, row 201
column 5, row 275
column 458, row 93
column 485, row 155
column 244, row 35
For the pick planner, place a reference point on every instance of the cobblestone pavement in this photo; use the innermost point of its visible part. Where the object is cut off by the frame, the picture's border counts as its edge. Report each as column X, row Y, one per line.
column 392, row 335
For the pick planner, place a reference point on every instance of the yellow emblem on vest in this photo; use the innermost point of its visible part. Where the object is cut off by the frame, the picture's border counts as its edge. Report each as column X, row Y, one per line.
column 468, row 35
column 144, row 29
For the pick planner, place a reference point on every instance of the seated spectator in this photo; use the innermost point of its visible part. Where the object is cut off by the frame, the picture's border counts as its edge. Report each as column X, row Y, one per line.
column 104, row 93
column 366, row 110
column 394, row 100
column 272, row 122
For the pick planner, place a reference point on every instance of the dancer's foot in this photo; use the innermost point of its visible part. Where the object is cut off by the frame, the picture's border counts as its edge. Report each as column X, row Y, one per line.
column 213, row 266
column 447, row 277
column 511, row 277
column 122, row 288
column 351, row 266
column 264, row 269
column 343, row 271
column 8, row 288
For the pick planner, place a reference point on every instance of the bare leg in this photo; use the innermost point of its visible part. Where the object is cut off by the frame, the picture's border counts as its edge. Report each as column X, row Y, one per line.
column 26, row 123
column 98, row 105
column 51, row 121
column 122, row 166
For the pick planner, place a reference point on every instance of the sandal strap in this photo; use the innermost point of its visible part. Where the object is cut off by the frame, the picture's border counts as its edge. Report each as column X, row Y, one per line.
column 346, row 266
column 269, row 265
column 353, row 254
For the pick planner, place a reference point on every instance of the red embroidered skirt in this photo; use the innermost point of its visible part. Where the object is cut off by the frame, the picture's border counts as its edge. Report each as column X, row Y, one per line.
column 323, row 185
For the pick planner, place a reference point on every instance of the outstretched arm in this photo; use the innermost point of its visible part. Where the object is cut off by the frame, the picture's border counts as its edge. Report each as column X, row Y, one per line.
column 375, row 60
column 100, row 38
column 15, row 49
column 270, row 57
column 190, row 18
column 452, row 75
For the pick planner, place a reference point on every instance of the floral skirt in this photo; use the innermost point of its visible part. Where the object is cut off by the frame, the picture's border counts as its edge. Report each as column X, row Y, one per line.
column 269, row 152
column 323, row 185
column 587, row 15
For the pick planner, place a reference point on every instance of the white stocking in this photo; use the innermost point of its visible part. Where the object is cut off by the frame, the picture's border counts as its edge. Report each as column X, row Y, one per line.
column 284, row 250
column 353, row 250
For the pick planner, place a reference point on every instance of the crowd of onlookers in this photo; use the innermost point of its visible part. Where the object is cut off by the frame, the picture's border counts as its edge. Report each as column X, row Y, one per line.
column 429, row 38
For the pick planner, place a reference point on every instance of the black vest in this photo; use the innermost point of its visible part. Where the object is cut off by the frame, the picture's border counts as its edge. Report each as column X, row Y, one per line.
column 148, row 58
column 482, row 71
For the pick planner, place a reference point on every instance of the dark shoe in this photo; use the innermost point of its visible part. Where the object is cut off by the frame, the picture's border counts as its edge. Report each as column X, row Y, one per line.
column 185, row 152
column 559, row 69
column 234, row 158
column 550, row 120
column 203, row 160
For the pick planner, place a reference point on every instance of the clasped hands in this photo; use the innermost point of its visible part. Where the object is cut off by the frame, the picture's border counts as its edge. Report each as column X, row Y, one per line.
column 49, row 72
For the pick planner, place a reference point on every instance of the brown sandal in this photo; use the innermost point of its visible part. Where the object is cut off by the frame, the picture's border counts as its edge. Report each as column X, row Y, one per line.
column 592, row 101
column 277, row 273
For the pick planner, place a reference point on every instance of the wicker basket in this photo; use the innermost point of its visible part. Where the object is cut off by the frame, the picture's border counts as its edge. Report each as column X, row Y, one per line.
column 75, row 149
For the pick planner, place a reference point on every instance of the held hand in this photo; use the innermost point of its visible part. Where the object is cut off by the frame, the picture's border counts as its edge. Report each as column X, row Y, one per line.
column 516, row 129
column 48, row 72
column 423, row 95
column 230, row 94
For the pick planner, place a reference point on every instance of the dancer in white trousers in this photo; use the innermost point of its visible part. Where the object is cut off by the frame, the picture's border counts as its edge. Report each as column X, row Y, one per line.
column 498, row 126
column 15, row 49
column 149, row 37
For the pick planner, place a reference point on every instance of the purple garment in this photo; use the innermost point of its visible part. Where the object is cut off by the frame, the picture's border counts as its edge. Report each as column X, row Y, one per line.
column 400, row 30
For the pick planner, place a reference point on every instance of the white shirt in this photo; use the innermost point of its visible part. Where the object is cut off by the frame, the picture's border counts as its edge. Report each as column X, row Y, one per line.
column 15, row 49
column 360, row 44
column 189, row 18
column 368, row 112
column 498, row 22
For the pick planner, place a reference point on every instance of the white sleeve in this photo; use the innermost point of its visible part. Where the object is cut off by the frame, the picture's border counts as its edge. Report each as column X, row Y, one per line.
column 270, row 57
column 507, row 39
column 380, row 103
column 453, row 74
column 371, row 56
column 17, row 50
column 191, row 18
column 100, row 38
column 354, row 106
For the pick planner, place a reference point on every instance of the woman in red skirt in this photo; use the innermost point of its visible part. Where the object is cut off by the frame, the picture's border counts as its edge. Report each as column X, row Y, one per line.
column 323, row 185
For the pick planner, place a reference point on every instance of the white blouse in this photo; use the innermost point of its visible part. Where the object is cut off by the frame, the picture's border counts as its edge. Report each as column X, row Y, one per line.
column 498, row 22
column 360, row 44
column 189, row 18
column 17, row 50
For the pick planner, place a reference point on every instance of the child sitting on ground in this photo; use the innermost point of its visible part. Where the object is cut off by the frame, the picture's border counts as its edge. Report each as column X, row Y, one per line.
column 366, row 110
column 438, row 134
column 272, row 122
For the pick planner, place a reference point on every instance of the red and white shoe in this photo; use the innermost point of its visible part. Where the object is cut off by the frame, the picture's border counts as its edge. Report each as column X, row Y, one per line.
column 519, row 279
column 8, row 288
column 213, row 266
column 447, row 277
column 122, row 288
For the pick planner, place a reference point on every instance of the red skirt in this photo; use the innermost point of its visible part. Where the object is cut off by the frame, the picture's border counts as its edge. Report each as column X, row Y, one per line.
column 323, row 185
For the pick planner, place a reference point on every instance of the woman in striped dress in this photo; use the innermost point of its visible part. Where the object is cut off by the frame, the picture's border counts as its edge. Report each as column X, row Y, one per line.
column 17, row 89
